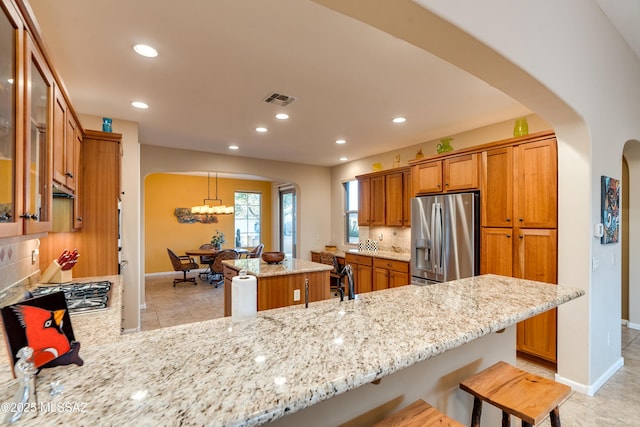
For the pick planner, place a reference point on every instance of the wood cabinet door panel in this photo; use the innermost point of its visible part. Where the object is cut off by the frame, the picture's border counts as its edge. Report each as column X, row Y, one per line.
column 496, row 251
column 461, row 173
column 277, row 291
column 380, row 279
column 497, row 187
column 536, row 254
column 427, row 177
column 59, row 140
column 407, row 194
column 394, row 204
column 364, row 202
column 397, row 279
column 536, row 185
column 537, row 335
column 377, row 206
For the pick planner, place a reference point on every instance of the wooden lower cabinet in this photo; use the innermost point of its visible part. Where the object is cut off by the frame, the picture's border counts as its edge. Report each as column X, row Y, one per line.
column 526, row 254
column 390, row 273
column 362, row 267
column 278, row 291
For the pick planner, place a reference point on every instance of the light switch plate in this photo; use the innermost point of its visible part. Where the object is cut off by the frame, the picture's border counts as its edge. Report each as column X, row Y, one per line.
column 598, row 230
column 595, row 263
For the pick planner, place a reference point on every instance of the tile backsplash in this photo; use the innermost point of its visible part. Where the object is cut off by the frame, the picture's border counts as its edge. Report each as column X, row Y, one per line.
column 16, row 264
column 394, row 239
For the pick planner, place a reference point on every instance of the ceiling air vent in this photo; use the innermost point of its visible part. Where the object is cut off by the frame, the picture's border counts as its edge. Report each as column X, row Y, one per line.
column 279, row 99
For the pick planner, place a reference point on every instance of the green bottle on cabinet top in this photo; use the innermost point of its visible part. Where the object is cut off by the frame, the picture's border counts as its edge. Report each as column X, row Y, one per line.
column 521, row 127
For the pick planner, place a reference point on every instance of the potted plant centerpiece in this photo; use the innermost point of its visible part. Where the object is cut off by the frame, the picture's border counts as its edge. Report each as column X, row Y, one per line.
column 217, row 240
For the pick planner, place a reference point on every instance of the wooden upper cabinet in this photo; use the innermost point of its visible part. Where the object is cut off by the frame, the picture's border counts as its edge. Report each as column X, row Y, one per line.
column 407, row 194
column 39, row 140
column 378, row 204
column 461, row 173
column 364, row 202
column 59, row 141
column 536, row 185
column 451, row 174
column 427, row 177
column 394, row 199
column 497, row 187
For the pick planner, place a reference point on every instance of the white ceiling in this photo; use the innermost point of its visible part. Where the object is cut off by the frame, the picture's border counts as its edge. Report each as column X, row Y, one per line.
column 218, row 60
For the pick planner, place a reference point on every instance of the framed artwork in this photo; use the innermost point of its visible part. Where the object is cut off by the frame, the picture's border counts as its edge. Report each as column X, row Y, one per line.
column 610, row 208
column 42, row 323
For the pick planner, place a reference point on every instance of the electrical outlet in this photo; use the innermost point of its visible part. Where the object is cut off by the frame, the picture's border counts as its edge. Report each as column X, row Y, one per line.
column 380, row 237
column 296, row 294
column 34, row 256
column 595, row 263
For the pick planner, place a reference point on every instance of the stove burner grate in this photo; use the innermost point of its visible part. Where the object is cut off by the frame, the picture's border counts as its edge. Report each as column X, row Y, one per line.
column 80, row 297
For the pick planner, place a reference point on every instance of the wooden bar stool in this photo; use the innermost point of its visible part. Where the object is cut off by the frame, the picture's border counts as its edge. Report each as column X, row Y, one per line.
column 516, row 392
column 418, row 414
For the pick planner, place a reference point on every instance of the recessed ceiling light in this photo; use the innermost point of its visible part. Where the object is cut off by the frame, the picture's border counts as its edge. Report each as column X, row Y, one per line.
column 261, row 129
column 233, row 147
column 399, row 120
column 144, row 50
column 140, row 104
column 343, row 159
column 341, row 141
column 282, row 116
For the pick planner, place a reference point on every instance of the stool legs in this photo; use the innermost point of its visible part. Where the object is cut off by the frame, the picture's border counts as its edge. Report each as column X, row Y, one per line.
column 554, row 417
column 506, row 419
column 477, row 412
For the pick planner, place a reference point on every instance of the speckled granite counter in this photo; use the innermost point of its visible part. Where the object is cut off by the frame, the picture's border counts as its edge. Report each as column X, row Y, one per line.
column 221, row 373
column 259, row 268
column 397, row 256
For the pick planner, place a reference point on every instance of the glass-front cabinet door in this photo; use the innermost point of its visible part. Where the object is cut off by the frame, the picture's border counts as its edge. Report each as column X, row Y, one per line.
column 39, row 95
column 11, row 162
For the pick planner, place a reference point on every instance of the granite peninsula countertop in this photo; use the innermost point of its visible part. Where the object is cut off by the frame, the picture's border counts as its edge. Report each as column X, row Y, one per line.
column 259, row 268
column 246, row 373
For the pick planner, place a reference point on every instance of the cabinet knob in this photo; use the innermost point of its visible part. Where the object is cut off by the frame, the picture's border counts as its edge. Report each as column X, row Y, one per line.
column 521, row 219
column 447, row 184
column 521, row 236
column 79, row 219
column 438, row 185
column 508, row 219
column 68, row 174
column 508, row 236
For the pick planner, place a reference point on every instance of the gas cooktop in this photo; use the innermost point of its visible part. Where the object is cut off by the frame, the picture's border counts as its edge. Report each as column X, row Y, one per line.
column 81, row 297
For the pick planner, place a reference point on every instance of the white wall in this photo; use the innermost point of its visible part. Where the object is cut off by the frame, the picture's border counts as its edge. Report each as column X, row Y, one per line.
column 632, row 154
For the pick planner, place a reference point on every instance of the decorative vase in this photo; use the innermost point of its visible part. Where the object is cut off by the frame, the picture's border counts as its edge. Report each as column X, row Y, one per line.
column 521, row 127
column 419, row 154
column 445, row 145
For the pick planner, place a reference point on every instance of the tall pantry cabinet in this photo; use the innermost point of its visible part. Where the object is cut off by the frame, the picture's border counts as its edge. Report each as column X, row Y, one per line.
column 519, row 228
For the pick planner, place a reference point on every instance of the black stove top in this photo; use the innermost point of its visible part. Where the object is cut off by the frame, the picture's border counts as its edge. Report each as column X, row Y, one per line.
column 81, row 297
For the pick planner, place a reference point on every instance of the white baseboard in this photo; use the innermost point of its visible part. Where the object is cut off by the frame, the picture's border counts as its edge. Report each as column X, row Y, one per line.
column 591, row 390
column 635, row 326
column 143, row 306
column 171, row 273
column 624, row 322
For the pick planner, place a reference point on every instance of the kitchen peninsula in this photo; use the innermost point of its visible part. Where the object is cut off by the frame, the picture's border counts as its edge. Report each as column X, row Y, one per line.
column 298, row 366
column 281, row 284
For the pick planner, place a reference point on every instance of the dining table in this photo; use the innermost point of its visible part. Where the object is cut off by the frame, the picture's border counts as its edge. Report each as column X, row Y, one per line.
column 211, row 254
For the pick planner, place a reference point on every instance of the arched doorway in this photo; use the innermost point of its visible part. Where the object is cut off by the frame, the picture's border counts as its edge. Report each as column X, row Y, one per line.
column 631, row 234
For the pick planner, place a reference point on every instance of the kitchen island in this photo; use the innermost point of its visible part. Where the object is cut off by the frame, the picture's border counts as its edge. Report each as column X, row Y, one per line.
column 281, row 284
column 298, row 366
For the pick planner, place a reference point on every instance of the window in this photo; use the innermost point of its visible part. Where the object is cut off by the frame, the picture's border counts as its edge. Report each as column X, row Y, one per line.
column 247, row 219
column 351, row 212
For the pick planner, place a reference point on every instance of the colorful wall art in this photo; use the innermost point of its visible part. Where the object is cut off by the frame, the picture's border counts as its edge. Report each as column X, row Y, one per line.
column 610, row 208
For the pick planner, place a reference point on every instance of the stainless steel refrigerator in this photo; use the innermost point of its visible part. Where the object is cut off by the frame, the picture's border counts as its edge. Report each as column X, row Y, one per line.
column 445, row 237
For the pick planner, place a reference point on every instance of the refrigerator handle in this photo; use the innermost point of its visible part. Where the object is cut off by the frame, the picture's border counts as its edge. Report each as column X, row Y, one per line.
column 432, row 238
column 438, row 238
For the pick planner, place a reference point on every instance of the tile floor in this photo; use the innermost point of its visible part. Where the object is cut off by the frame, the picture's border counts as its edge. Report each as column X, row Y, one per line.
column 617, row 403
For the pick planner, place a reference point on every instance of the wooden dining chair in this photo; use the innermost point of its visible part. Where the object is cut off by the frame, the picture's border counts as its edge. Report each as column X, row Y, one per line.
column 217, row 268
column 206, row 260
column 184, row 264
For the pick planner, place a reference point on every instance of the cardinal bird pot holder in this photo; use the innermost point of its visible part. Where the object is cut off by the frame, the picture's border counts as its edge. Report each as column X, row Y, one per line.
column 42, row 323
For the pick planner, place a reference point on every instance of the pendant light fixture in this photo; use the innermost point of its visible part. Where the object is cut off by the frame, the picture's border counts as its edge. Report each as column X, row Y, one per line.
column 213, row 209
